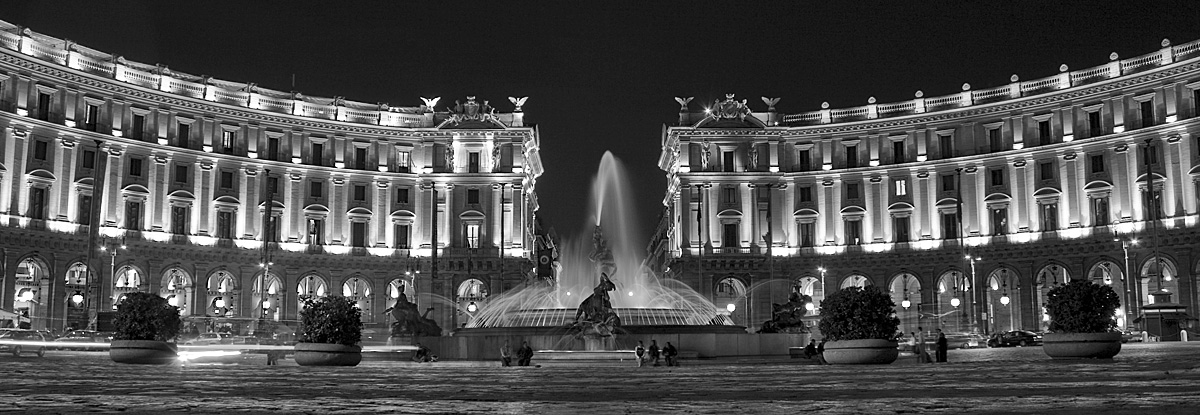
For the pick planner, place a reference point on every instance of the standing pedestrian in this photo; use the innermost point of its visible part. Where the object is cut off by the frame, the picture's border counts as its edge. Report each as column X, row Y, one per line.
column 640, row 354
column 821, row 352
column 525, row 354
column 654, row 351
column 922, row 356
column 506, row 355
column 942, row 346
column 670, row 352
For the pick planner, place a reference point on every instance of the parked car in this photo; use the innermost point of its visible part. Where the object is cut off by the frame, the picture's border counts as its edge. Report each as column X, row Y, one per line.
column 210, row 338
column 965, row 340
column 84, row 340
column 1019, row 338
column 23, row 341
column 1131, row 336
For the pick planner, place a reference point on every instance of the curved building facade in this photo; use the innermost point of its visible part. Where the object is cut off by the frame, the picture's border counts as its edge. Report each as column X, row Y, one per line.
column 967, row 208
column 235, row 201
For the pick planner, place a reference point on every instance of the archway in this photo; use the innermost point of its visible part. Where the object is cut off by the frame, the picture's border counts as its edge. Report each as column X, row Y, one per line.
column 953, row 293
column 1004, row 301
column 223, row 295
column 1109, row 273
column 1048, row 277
column 812, row 287
column 854, row 280
column 905, row 290
column 1159, row 281
column 310, row 286
column 359, row 290
column 178, row 289
column 729, row 297
column 75, row 298
column 128, row 279
column 268, row 296
column 470, row 296
column 30, row 289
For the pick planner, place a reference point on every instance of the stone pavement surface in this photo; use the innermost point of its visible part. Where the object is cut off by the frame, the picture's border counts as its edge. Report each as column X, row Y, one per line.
column 1159, row 378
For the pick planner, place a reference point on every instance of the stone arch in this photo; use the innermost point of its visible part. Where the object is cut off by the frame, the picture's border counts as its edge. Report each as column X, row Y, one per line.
column 953, row 297
column 127, row 279
column 30, row 291
column 1004, row 299
column 1159, row 277
column 360, row 289
column 179, row 289
column 854, row 280
column 309, row 286
column 268, row 300
column 224, row 291
column 905, row 290
column 470, row 295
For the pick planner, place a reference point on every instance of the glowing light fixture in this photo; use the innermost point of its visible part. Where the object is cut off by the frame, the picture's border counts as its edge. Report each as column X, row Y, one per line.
column 1004, row 300
column 906, row 304
column 810, row 307
column 220, row 302
column 731, row 307
column 173, row 301
column 954, row 302
column 471, row 308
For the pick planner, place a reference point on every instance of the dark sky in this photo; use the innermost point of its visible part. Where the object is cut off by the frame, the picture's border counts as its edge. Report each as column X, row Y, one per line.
column 601, row 76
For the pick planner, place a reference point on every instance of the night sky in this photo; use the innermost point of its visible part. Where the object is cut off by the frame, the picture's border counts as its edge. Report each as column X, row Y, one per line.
column 602, row 76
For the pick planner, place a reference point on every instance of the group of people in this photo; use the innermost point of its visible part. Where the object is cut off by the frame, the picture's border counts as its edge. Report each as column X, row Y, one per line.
column 651, row 356
column 815, row 351
column 920, row 346
column 524, row 354
column 423, row 354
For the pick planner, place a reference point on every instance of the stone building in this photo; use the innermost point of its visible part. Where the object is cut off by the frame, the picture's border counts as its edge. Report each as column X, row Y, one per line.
column 170, row 183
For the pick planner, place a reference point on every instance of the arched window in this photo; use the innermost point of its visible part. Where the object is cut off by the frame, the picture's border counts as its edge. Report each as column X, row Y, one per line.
column 855, row 281
column 127, row 280
column 311, row 285
column 178, row 290
column 359, row 290
column 1004, row 301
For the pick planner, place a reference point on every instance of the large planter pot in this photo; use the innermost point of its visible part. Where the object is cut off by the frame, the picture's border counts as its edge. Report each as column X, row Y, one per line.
column 861, row 352
column 325, row 354
column 143, row 352
column 1082, row 345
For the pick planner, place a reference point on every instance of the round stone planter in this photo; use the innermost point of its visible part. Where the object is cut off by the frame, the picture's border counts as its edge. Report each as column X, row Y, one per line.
column 861, row 352
column 142, row 352
column 1082, row 345
column 325, row 354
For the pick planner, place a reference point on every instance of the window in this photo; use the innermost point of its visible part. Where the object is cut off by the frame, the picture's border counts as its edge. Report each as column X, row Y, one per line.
column 1046, row 171
column 403, row 158
column 1097, row 163
column 901, row 187
column 360, row 158
column 728, row 195
column 1152, row 203
column 994, row 139
column 316, row 231
column 317, row 155
column 40, row 150
column 473, row 162
column 805, row 159
column 89, row 159
column 851, row 157
column 999, row 221
column 402, row 239
column 950, row 225
column 272, row 230
column 37, row 203
column 898, row 152
column 851, row 190
column 135, row 167
column 729, row 235
column 133, row 215
column 358, row 234
column 1100, row 211
column 946, row 146
column 315, row 189
column 997, row 176
column 947, row 182
column 43, row 106
column 224, row 224
column 1049, row 216
column 727, row 161
column 184, row 135
column 272, row 148
column 901, row 229
column 853, row 232
column 1147, row 112
column 1094, row 124
column 805, row 194
column 402, row 195
column 91, row 115
column 360, row 193
column 138, row 127
column 807, row 235
column 473, row 196
column 85, row 210
column 227, row 180
column 1044, row 132
column 471, row 232
column 181, row 174
column 179, row 220
column 227, row 138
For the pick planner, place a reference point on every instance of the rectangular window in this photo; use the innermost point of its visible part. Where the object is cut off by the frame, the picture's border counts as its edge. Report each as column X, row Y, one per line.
column 317, row 155
column 807, row 234
column 41, row 150
column 272, row 229
column 728, row 195
column 403, row 160
column 181, row 174
column 358, row 234
column 224, row 224
column 994, row 140
column 947, row 182
column 89, row 159
column 315, row 189
column 950, row 226
column 1100, row 211
column 472, row 196
column 226, row 180
column 901, row 187
column 402, row 195
column 1147, row 112
column 900, row 227
column 898, row 152
column 43, row 106
column 1094, row 124
column 805, row 194
column 360, row 158
column 851, row 157
column 402, row 239
column 360, row 193
column 946, row 146
column 227, row 138
column 851, row 191
column 133, row 216
column 1153, row 205
column 1046, row 171
column 91, row 116
column 272, row 148
column 179, row 220
column 997, row 176
column 184, row 135
column 999, row 221
column 727, row 161
column 135, row 167
column 138, row 127
column 1097, row 163
column 473, row 162
column 805, row 159
column 1044, row 132
column 471, row 231
column 854, row 232
column 316, row 231
column 1049, row 217
column 84, row 216
column 729, row 235
column 37, row 203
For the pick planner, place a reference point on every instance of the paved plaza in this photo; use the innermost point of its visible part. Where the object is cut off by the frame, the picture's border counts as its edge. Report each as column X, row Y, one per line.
column 1159, row 378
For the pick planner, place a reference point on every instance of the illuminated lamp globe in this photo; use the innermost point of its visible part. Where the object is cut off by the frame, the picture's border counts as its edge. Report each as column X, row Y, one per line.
column 1167, row 277
column 266, row 304
column 730, row 307
column 220, row 303
column 471, row 308
column 906, row 304
column 25, row 296
column 810, row 307
column 954, row 302
column 78, row 299
column 1004, row 300
column 172, row 300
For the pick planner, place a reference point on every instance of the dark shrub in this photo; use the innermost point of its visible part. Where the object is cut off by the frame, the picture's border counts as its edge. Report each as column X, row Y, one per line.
column 145, row 316
column 1082, row 307
column 333, row 320
column 858, row 314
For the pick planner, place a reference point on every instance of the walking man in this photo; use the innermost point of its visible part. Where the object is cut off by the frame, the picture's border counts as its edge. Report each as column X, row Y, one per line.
column 670, row 352
column 525, row 354
column 942, row 346
column 640, row 354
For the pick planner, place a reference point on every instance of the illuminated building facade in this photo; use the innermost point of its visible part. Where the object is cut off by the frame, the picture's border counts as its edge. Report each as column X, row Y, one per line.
column 174, row 182
column 967, row 208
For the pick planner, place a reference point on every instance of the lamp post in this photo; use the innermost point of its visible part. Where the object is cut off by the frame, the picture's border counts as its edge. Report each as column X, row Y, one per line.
column 970, row 286
column 1128, row 299
column 1004, row 298
column 111, row 246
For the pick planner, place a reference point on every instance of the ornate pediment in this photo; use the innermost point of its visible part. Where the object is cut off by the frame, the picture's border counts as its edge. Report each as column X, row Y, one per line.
column 472, row 114
column 729, row 114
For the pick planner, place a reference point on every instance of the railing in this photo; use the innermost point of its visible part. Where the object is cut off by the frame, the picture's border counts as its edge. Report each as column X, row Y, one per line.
column 851, row 113
column 275, row 104
column 988, row 94
column 48, row 52
column 1130, row 65
column 1078, row 77
column 135, row 76
column 11, row 41
column 93, row 66
column 1038, row 85
column 231, row 97
column 182, row 87
column 943, row 101
column 894, row 107
column 360, row 116
column 804, row 117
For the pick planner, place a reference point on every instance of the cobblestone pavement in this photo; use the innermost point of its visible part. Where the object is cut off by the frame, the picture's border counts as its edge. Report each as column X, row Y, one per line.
column 1160, row 377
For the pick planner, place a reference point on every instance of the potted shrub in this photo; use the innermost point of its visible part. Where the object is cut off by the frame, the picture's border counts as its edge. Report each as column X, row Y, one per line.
column 860, row 326
column 1082, row 321
column 146, row 326
column 330, row 329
